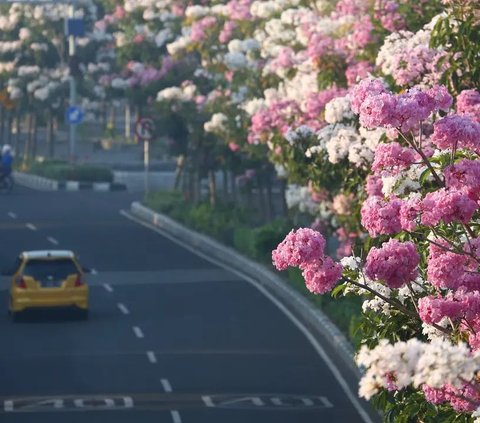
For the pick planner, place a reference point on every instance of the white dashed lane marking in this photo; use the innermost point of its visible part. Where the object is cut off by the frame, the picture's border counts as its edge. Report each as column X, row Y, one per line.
column 123, row 308
column 108, row 287
column 31, row 226
column 176, row 416
column 12, row 215
column 138, row 332
column 166, row 385
column 151, row 357
column 52, row 240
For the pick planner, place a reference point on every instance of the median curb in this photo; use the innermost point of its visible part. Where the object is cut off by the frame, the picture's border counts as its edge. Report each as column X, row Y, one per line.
column 41, row 183
column 303, row 308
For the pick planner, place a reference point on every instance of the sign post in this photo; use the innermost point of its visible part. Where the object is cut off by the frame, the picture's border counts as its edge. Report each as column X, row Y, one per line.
column 144, row 129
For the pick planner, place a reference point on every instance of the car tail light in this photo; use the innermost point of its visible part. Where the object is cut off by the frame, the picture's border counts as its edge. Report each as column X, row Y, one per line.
column 79, row 281
column 21, row 282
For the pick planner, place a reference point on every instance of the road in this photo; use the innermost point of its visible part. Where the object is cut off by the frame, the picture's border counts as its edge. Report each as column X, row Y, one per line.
column 171, row 337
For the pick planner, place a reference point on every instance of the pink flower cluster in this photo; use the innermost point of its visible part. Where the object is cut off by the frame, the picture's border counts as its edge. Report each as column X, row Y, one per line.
column 305, row 248
column 381, row 217
column 378, row 107
column 445, row 268
column 227, row 32
column 277, row 116
column 386, row 11
column 468, row 102
column 393, row 156
column 315, row 104
column 460, row 306
column 200, row 27
column 461, row 399
column 395, row 263
column 456, row 131
column 447, row 206
column 464, row 176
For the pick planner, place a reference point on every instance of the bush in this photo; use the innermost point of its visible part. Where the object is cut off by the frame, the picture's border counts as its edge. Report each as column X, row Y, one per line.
column 63, row 171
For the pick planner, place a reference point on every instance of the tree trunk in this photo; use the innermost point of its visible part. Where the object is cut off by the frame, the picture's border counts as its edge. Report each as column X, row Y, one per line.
column 17, row 130
column 270, row 206
column 261, row 199
column 2, row 125
column 283, row 190
column 128, row 121
column 28, row 142
column 233, row 187
column 179, row 171
column 212, row 187
column 50, row 135
column 34, row 136
column 225, row 183
column 9, row 127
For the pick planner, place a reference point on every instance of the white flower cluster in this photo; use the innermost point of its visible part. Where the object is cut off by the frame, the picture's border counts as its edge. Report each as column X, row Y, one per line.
column 241, row 53
column 403, row 182
column 182, row 94
column 293, row 136
column 217, row 123
column 10, row 46
column 265, row 9
column 341, row 142
column 338, row 110
column 253, row 106
column 416, row 363
column 301, row 198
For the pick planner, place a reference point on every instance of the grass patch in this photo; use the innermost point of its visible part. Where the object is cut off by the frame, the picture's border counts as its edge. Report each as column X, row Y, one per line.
column 64, row 171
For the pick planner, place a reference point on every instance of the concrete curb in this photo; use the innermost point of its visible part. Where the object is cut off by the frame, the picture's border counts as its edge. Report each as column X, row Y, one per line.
column 308, row 313
column 40, row 183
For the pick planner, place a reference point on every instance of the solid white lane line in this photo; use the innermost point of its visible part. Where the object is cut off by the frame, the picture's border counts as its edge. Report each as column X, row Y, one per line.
column 305, row 331
column 52, row 240
column 31, row 226
column 166, row 385
column 207, row 401
column 123, row 309
column 108, row 287
column 12, row 215
column 8, row 405
column 151, row 357
column 93, row 272
column 138, row 332
column 176, row 416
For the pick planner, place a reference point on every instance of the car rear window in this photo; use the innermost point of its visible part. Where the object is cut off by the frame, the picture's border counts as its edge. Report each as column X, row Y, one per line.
column 50, row 269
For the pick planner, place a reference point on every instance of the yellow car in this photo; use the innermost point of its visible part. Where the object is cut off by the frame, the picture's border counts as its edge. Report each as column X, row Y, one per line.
column 46, row 279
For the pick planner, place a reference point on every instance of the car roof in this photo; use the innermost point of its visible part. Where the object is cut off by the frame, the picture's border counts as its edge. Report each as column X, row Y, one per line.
column 47, row 254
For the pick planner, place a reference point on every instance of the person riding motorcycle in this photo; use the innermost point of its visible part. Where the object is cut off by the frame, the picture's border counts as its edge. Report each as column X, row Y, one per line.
column 6, row 162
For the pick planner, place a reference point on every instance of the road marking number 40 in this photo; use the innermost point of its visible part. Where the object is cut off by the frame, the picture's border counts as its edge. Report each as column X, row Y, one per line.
column 67, row 404
column 267, row 402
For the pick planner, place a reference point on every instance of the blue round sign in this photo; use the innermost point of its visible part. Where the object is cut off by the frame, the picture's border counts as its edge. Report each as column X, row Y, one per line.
column 74, row 115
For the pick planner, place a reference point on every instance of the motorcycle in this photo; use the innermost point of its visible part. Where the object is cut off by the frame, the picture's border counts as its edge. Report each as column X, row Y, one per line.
column 6, row 184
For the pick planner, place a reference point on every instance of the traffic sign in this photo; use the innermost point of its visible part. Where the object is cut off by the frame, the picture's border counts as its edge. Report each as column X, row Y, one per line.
column 74, row 115
column 144, row 129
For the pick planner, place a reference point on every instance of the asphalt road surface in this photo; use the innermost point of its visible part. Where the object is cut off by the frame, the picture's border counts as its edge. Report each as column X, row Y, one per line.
column 171, row 337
